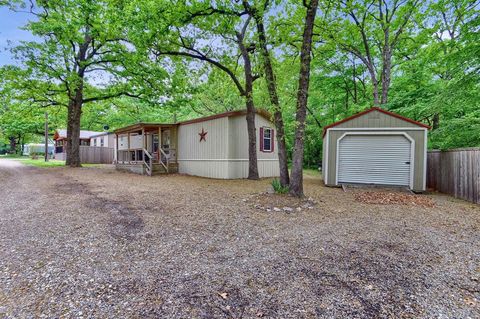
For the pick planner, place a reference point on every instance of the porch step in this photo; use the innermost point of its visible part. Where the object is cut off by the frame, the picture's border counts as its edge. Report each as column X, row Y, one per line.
column 159, row 169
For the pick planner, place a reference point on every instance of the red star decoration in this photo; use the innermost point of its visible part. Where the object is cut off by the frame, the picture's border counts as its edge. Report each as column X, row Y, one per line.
column 203, row 135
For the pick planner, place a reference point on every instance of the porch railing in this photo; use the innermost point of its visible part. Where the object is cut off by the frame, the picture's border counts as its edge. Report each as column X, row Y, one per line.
column 147, row 160
column 164, row 159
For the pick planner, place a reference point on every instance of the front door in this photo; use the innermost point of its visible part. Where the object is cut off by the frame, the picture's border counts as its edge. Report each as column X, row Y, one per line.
column 166, row 139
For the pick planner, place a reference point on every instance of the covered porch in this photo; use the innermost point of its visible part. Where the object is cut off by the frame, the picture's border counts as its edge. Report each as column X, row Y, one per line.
column 147, row 148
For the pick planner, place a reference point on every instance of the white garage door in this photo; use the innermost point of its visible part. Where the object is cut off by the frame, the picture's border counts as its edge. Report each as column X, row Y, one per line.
column 374, row 159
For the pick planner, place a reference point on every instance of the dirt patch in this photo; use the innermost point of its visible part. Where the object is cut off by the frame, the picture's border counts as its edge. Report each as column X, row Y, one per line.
column 125, row 222
column 393, row 198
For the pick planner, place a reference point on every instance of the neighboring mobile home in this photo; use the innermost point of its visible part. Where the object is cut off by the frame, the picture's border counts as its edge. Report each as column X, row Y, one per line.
column 29, row 149
column 214, row 146
column 104, row 139
column 376, row 147
column 60, row 138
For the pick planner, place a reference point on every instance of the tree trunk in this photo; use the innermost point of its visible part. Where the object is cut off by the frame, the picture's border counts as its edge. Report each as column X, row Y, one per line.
column 75, row 136
column 386, row 66
column 272, row 90
column 13, row 145
column 354, row 79
column 75, row 107
column 373, row 77
column 73, row 129
column 296, row 182
column 436, row 121
column 22, row 144
column 252, row 136
column 67, row 148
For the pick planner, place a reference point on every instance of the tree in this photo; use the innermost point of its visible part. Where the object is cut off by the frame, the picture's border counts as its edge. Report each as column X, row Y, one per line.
column 18, row 120
column 81, row 43
column 296, row 182
column 257, row 13
column 372, row 30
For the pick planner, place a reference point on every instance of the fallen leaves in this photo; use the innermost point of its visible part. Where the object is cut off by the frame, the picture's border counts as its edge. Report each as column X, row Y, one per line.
column 392, row 198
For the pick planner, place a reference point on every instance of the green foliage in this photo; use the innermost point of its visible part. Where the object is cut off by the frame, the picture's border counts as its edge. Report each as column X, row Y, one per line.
column 278, row 188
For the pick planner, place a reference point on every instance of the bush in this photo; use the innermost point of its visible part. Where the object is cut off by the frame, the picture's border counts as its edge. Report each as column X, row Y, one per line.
column 278, row 188
column 33, row 155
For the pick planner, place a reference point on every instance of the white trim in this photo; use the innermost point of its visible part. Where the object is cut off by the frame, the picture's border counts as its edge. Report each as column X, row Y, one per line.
column 412, row 150
column 227, row 159
column 377, row 129
column 425, row 160
column 325, row 174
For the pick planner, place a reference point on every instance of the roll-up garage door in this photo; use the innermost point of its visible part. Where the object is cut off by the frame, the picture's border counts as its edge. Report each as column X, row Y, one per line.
column 374, row 159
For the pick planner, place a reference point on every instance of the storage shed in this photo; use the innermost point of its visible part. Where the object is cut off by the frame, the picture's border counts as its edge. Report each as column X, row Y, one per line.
column 376, row 147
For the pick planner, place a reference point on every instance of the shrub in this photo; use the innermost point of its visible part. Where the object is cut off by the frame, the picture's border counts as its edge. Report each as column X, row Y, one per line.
column 278, row 188
column 33, row 155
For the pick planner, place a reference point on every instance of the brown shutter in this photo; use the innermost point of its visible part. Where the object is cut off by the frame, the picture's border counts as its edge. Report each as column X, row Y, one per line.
column 272, row 141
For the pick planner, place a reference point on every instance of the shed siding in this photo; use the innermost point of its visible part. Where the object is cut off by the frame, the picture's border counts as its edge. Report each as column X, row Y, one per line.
column 375, row 119
column 418, row 170
column 365, row 123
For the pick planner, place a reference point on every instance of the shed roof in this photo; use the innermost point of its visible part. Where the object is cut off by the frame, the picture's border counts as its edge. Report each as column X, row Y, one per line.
column 372, row 109
column 62, row 133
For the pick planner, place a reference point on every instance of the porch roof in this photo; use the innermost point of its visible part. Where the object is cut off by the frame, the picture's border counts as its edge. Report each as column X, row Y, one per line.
column 142, row 125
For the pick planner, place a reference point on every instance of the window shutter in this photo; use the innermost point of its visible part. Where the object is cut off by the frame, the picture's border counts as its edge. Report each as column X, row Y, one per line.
column 272, row 142
column 261, row 139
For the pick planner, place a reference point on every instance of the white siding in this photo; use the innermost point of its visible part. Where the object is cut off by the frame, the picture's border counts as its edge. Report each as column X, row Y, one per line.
column 238, row 149
column 224, row 154
column 206, row 158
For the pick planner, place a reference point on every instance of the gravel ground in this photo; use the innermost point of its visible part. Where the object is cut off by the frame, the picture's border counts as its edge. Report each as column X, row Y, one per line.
column 96, row 243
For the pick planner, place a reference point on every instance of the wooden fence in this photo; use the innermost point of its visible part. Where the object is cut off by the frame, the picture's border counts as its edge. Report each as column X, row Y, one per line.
column 96, row 155
column 455, row 172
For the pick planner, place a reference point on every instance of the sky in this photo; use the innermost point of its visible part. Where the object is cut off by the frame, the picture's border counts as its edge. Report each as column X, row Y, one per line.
column 10, row 24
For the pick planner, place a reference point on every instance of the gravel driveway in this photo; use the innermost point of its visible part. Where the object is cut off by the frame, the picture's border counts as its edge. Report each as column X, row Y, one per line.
column 96, row 243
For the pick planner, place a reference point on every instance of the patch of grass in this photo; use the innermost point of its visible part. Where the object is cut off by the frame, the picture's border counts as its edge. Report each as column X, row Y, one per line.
column 41, row 162
column 311, row 172
column 278, row 188
column 13, row 156
column 92, row 165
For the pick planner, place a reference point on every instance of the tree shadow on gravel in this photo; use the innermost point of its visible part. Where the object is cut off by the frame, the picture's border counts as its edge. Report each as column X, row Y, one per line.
column 125, row 222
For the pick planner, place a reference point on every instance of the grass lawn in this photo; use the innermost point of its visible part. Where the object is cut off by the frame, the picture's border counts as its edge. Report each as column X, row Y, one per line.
column 11, row 156
column 40, row 162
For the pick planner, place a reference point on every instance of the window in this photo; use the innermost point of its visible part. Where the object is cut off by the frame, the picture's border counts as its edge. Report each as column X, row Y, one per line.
column 101, row 142
column 266, row 139
column 94, row 142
